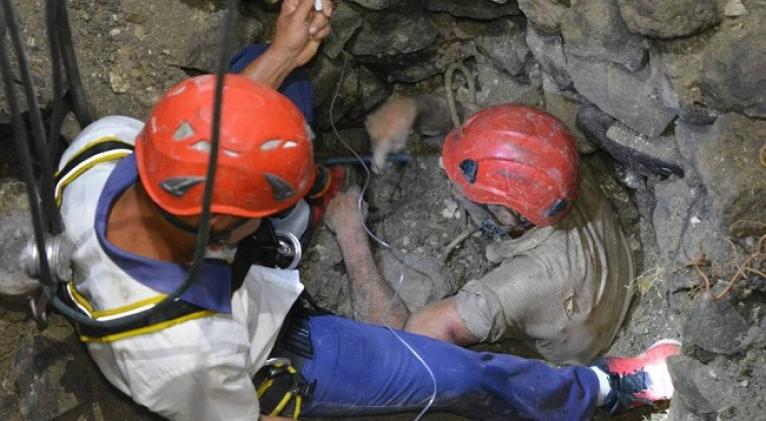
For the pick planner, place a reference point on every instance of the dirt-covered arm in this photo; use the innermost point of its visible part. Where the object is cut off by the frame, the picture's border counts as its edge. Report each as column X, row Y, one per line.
column 372, row 299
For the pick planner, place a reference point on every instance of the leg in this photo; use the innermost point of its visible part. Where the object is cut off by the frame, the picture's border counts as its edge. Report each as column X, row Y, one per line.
column 360, row 369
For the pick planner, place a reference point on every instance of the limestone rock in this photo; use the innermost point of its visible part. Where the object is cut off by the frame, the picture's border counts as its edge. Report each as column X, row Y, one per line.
column 544, row 14
column 345, row 22
column 669, row 19
column 15, row 231
column 679, row 63
column 372, row 4
column 734, row 8
column 507, row 50
column 498, row 87
column 394, row 33
column 683, row 371
column 360, row 92
column 716, row 327
column 650, row 156
column 564, row 106
column 631, row 97
column 733, row 77
column 594, row 29
column 473, row 10
column 726, row 158
column 549, row 52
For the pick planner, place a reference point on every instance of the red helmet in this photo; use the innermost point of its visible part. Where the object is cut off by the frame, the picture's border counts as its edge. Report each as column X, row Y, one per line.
column 516, row 156
column 265, row 162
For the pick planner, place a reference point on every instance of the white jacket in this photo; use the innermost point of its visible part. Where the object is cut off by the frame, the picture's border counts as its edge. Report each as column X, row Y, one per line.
column 197, row 369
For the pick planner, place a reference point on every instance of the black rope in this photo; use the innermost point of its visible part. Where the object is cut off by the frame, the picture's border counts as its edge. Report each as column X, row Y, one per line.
column 58, row 112
column 50, row 213
column 47, row 281
column 80, row 105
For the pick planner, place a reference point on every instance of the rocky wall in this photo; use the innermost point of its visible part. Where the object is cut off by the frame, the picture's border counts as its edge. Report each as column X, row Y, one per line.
column 673, row 91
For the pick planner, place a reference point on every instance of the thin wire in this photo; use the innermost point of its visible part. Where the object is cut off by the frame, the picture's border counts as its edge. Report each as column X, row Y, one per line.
column 359, row 205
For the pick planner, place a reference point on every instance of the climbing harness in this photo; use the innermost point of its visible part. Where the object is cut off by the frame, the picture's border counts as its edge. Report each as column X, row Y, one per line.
column 50, row 261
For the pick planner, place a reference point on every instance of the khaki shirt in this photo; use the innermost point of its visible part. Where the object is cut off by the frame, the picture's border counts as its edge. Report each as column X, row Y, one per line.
column 562, row 290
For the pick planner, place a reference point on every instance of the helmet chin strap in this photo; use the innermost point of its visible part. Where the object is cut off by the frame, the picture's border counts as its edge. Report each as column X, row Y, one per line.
column 218, row 238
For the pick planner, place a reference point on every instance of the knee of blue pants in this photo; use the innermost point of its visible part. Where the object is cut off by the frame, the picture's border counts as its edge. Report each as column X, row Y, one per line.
column 296, row 86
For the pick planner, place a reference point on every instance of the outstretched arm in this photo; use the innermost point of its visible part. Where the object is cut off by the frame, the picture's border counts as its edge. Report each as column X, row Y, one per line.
column 372, row 298
column 300, row 31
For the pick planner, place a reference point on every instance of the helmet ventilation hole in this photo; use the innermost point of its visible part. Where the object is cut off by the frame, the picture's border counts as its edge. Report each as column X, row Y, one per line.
column 201, row 146
column 270, row 145
column 281, row 189
column 469, row 168
column 232, row 153
column 184, row 131
column 178, row 186
column 290, row 144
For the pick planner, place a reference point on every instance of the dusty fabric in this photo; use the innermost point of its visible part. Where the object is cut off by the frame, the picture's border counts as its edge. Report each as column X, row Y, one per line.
column 198, row 369
column 562, row 290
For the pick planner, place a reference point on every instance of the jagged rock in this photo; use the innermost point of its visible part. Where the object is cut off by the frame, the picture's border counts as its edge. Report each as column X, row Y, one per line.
column 345, row 22
column 631, row 97
column 679, row 62
column 690, row 400
column 372, row 4
column 733, row 78
column 544, row 14
column 507, row 50
column 394, row 33
column 734, row 8
column 202, row 51
column 498, row 87
column 726, row 159
column 565, row 107
column 472, row 10
column 594, row 29
column 683, row 227
column 360, row 92
column 649, row 156
column 669, row 19
column 549, row 52
column 715, row 326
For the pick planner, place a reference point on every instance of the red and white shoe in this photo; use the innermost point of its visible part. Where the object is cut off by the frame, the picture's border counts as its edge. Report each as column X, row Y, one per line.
column 640, row 380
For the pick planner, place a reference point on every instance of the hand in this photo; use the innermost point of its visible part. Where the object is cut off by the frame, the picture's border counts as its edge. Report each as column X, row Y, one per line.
column 301, row 29
column 389, row 127
column 343, row 211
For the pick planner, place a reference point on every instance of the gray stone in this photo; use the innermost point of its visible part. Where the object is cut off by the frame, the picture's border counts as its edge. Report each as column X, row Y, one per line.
column 508, row 50
column 726, row 159
column 691, row 401
column 594, row 29
column 472, row 10
column 202, row 50
column 498, row 87
column 548, row 50
column 733, row 77
column 360, row 92
column 544, row 14
column 649, row 156
column 679, row 63
column 345, row 22
column 669, row 19
column 734, row 8
column 565, row 106
column 631, row 97
column 715, row 326
column 390, row 34
column 372, row 4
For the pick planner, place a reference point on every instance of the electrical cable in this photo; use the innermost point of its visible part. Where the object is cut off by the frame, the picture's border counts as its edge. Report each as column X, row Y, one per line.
column 80, row 105
column 360, row 204
column 58, row 113
column 48, row 283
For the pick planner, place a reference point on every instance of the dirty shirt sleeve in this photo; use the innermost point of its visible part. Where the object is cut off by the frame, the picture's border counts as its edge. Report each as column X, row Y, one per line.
column 499, row 305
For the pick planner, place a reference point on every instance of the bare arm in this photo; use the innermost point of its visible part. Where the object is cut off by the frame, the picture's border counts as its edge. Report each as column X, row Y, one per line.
column 372, row 298
column 300, row 31
column 270, row 418
column 371, row 295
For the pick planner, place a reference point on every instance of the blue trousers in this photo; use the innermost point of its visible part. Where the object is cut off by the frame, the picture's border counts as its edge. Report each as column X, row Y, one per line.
column 361, row 369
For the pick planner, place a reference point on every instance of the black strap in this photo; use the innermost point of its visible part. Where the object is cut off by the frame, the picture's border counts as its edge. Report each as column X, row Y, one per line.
column 88, row 153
